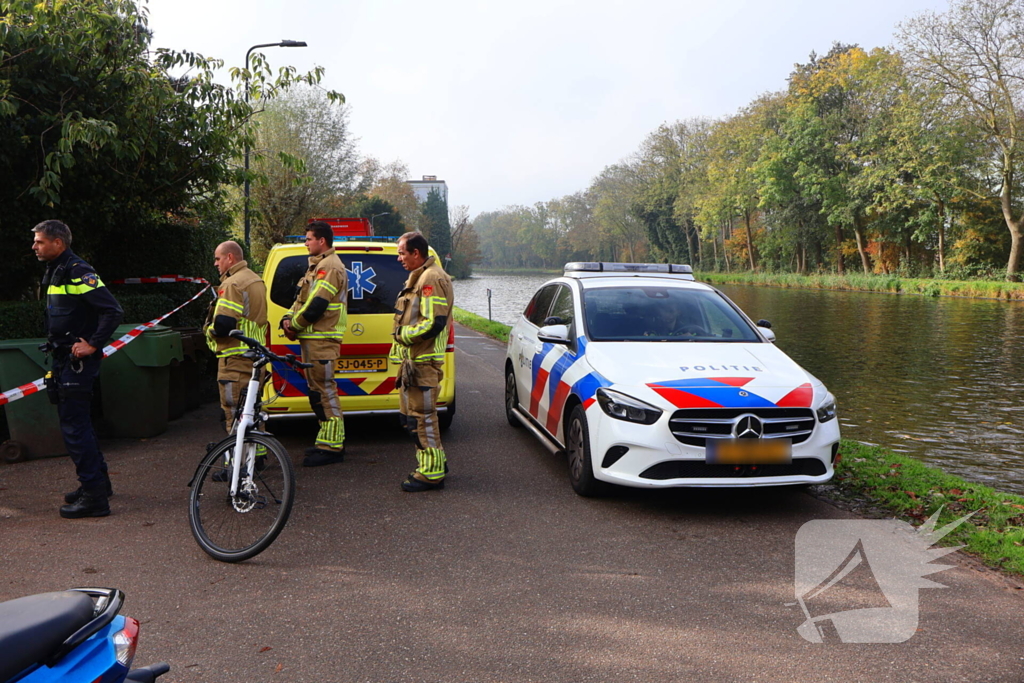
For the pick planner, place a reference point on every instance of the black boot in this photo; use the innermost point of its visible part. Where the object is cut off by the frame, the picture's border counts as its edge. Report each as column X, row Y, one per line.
column 70, row 498
column 318, row 457
column 89, row 504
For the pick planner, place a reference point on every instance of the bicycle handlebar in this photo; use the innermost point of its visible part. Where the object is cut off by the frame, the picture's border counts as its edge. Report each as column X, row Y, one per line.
column 290, row 358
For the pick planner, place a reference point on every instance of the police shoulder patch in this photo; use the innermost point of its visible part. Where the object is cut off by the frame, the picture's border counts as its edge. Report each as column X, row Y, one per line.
column 90, row 279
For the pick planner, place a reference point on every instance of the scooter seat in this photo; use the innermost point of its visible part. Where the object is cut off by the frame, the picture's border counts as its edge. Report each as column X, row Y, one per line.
column 33, row 627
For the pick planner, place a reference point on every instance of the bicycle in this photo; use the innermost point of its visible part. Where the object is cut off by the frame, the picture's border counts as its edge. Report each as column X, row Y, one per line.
column 243, row 489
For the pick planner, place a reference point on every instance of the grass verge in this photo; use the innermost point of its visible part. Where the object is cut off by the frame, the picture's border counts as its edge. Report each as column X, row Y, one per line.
column 906, row 488
column 473, row 321
column 873, row 481
column 976, row 289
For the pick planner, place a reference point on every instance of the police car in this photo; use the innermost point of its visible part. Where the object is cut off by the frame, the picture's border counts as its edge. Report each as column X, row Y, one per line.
column 644, row 377
column 365, row 379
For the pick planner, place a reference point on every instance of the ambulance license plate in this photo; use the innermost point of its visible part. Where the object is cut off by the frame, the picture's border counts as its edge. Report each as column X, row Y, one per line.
column 378, row 364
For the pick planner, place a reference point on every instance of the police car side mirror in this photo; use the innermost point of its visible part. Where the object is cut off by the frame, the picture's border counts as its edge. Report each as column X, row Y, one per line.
column 554, row 334
column 766, row 330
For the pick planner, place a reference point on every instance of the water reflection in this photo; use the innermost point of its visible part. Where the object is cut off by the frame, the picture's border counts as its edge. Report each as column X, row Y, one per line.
column 941, row 380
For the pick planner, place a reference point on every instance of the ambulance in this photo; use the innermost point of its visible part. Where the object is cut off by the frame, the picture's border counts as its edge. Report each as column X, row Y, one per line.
column 365, row 378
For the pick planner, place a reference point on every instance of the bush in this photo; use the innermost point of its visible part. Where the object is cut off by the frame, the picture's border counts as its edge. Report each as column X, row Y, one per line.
column 25, row 320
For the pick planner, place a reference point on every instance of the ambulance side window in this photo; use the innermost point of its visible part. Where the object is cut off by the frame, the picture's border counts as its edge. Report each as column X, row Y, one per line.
column 286, row 277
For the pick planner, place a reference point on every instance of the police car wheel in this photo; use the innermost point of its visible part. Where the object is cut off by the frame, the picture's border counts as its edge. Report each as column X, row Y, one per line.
column 577, row 450
column 511, row 398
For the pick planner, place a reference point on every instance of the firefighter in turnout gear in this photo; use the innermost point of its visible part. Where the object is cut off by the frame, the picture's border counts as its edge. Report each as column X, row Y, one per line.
column 241, row 304
column 421, row 334
column 317, row 320
column 81, row 315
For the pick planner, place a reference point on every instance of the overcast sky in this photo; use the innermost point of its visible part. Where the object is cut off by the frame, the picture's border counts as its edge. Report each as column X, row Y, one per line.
column 522, row 102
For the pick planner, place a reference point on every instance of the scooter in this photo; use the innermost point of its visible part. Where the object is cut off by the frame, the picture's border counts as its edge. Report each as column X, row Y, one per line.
column 70, row 636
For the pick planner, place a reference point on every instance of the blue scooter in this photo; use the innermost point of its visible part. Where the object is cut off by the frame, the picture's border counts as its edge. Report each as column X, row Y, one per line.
column 71, row 636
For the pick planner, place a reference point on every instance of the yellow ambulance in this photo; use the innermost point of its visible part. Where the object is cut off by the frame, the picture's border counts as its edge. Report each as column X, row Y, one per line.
column 366, row 380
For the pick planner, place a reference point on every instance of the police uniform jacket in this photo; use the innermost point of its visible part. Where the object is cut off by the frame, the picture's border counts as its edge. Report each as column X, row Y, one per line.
column 422, row 315
column 241, row 304
column 78, row 303
column 319, row 310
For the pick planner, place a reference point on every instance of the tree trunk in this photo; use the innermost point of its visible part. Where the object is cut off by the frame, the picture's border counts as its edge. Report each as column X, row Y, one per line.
column 858, row 231
column 714, row 245
column 750, row 239
column 840, row 261
column 725, row 251
column 942, row 236
column 1013, row 264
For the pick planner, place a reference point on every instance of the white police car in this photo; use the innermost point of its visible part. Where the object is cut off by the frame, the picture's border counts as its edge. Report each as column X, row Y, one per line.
column 646, row 378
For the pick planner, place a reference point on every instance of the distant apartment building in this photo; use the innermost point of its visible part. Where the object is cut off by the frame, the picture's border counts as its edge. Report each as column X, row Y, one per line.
column 421, row 188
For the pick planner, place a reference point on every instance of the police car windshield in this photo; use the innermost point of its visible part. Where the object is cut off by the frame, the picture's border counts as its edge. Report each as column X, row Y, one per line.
column 662, row 314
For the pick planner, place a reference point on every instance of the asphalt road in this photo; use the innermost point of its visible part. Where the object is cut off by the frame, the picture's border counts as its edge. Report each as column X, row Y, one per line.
column 506, row 575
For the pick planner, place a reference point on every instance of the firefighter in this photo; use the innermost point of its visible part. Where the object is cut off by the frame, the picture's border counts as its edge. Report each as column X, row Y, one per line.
column 318, row 319
column 241, row 304
column 81, row 315
column 420, row 332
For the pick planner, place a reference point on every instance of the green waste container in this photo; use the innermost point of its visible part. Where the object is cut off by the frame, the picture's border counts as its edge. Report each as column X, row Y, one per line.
column 32, row 420
column 134, row 383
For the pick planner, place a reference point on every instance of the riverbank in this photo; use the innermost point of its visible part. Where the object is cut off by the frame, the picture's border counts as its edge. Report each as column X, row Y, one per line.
column 877, row 482
column 975, row 289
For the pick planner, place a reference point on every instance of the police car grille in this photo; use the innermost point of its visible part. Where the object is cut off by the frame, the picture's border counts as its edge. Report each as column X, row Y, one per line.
column 697, row 469
column 693, row 426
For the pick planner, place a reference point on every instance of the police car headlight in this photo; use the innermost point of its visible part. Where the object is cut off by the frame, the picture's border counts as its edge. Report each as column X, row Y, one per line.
column 827, row 409
column 627, row 408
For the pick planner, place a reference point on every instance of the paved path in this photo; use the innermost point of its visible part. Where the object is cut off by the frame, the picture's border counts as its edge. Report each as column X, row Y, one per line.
column 505, row 576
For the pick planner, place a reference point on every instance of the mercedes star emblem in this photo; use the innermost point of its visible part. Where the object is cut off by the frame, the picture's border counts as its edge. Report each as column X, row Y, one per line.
column 357, row 329
column 748, row 427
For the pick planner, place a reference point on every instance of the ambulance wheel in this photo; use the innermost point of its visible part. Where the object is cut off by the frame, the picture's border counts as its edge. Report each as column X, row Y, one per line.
column 577, row 450
column 446, row 416
column 12, row 452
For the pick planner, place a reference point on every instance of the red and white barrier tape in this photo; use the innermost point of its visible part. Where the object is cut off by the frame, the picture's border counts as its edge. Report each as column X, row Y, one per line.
column 115, row 346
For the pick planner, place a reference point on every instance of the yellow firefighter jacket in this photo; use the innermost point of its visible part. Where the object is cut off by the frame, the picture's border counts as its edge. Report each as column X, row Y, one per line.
column 241, row 303
column 423, row 315
column 319, row 310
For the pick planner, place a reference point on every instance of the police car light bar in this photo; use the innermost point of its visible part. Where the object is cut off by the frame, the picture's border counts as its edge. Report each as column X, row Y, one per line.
column 602, row 267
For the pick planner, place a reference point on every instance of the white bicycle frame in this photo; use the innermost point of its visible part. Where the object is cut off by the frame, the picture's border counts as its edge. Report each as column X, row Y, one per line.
column 242, row 427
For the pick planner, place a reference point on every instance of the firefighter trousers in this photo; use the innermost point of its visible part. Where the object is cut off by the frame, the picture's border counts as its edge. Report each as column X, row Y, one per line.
column 323, row 392
column 419, row 417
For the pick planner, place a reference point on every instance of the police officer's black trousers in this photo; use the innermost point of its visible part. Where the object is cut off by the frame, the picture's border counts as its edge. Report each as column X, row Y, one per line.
column 76, row 379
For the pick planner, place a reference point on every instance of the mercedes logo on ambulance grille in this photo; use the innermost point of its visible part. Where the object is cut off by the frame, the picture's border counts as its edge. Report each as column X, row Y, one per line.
column 357, row 329
column 748, row 427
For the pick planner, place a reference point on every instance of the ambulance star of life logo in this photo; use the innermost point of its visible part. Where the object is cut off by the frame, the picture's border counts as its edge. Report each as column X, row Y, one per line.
column 857, row 580
column 361, row 281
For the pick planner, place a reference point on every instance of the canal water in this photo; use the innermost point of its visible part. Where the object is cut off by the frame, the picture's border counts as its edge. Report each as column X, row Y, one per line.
column 939, row 379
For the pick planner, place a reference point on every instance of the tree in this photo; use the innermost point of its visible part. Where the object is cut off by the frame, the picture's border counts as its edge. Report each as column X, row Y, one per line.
column 306, row 164
column 465, row 244
column 435, row 225
column 98, row 132
column 389, row 183
column 386, row 219
column 975, row 52
column 614, row 191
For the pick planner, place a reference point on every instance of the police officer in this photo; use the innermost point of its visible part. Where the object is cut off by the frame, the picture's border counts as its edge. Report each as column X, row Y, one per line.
column 241, row 304
column 420, row 332
column 318, row 319
column 81, row 315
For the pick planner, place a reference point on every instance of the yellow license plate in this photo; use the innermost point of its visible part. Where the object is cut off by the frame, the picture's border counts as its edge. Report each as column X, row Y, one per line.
column 749, row 451
column 379, row 364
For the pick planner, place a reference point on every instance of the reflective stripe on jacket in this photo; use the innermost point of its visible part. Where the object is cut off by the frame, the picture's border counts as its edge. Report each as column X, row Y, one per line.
column 78, row 303
column 423, row 306
column 325, row 279
column 242, row 304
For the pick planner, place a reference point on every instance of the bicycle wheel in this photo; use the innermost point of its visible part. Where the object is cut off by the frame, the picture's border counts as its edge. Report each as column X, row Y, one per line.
column 235, row 528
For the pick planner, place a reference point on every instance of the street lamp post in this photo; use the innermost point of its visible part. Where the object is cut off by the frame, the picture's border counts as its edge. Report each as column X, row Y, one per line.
column 283, row 43
column 386, row 213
